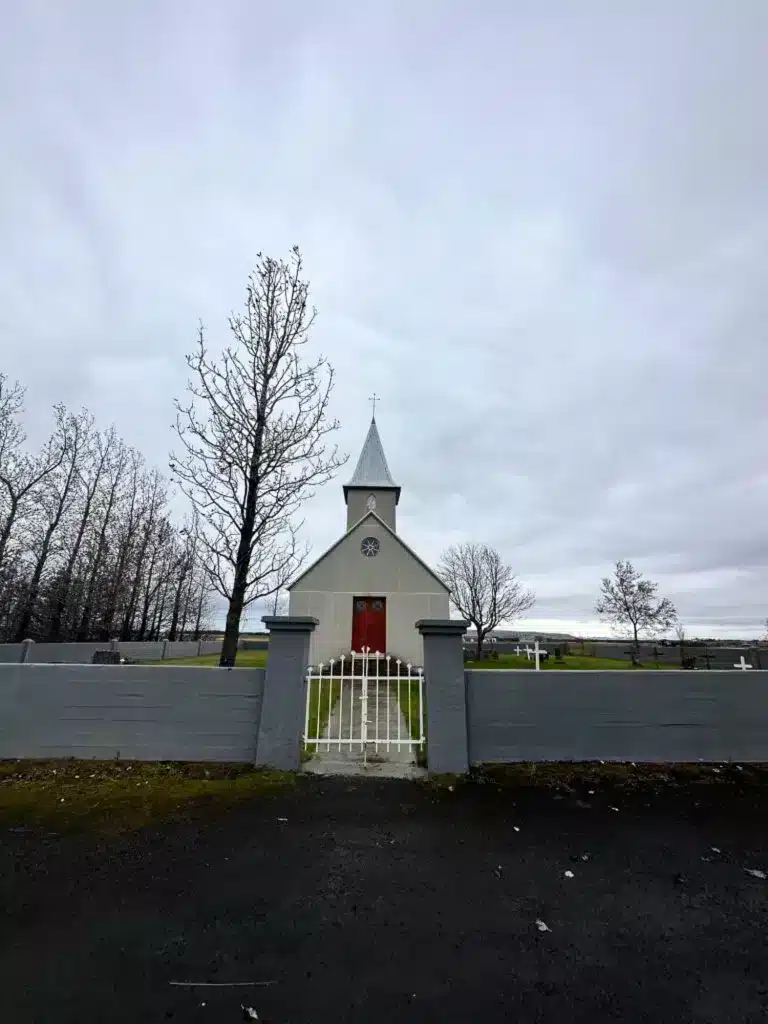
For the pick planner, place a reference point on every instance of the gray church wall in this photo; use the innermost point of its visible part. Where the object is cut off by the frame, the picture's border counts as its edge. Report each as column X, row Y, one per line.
column 135, row 712
column 326, row 593
column 334, row 613
column 347, row 569
column 617, row 716
column 386, row 507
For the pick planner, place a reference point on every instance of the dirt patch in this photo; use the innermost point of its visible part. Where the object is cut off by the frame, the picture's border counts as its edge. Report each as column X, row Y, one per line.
column 379, row 900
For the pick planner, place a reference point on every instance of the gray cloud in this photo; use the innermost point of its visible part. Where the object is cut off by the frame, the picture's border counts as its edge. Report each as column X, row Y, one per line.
column 538, row 232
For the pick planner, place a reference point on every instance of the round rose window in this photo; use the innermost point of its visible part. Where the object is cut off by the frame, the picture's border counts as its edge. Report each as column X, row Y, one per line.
column 370, row 547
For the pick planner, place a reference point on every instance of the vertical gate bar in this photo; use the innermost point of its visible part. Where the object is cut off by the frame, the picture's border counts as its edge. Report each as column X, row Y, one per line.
column 330, row 694
column 399, row 713
column 421, row 707
column 364, row 706
column 306, row 714
column 319, row 698
column 389, row 712
column 376, row 720
column 352, row 703
column 341, row 705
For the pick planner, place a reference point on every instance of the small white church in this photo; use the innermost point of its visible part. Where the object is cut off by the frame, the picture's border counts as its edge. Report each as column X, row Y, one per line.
column 369, row 588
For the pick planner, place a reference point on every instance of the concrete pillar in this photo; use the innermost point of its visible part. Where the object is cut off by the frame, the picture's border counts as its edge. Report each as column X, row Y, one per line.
column 26, row 651
column 278, row 744
column 446, row 697
column 114, row 645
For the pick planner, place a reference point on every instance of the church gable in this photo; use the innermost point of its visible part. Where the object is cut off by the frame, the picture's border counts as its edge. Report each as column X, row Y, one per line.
column 370, row 558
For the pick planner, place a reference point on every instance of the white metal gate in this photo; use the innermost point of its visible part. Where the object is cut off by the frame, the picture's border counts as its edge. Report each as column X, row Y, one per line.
column 365, row 704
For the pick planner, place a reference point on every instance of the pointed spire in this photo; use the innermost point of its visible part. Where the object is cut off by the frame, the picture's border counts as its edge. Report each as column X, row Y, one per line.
column 372, row 469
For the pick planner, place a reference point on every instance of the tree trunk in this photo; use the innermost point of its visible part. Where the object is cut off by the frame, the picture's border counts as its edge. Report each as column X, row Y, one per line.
column 479, row 648
column 176, row 609
column 34, row 585
column 232, row 628
column 7, row 527
column 636, row 647
column 199, row 615
column 242, row 562
column 108, row 619
column 66, row 581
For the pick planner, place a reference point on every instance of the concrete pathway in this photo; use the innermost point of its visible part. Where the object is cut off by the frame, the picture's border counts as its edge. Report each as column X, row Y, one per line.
column 378, row 759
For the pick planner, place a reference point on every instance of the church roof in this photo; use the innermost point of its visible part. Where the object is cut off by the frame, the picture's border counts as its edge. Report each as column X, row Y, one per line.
column 372, row 469
column 398, row 538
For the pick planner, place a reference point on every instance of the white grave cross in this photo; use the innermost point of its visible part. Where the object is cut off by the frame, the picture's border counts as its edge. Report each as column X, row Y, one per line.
column 528, row 652
column 536, row 653
column 741, row 663
column 517, row 650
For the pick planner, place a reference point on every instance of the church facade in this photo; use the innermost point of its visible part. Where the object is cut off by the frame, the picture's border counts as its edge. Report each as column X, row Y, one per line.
column 369, row 588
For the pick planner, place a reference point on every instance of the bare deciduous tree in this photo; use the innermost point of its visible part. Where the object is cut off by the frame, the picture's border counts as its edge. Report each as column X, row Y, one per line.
column 20, row 473
column 55, row 500
column 253, row 438
column 627, row 600
column 483, row 589
column 681, row 638
column 88, row 545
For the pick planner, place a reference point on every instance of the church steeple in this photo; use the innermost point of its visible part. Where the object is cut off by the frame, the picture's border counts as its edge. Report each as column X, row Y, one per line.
column 371, row 487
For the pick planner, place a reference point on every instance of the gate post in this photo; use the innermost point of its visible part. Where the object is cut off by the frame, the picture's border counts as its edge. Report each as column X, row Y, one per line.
column 446, row 695
column 278, row 744
column 26, row 647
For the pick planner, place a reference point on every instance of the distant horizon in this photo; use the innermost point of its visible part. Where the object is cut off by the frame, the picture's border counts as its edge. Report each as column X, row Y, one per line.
column 589, row 630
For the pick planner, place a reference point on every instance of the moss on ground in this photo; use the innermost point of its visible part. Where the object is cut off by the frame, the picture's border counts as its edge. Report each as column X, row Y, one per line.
column 116, row 796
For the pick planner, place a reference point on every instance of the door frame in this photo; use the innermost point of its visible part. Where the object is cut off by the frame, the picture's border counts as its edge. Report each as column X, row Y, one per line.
column 369, row 597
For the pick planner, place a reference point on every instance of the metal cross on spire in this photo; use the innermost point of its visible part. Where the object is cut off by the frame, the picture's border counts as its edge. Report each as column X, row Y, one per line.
column 374, row 399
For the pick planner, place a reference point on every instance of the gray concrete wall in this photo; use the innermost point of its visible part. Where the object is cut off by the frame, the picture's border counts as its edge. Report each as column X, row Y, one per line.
column 446, row 695
column 82, row 653
column 285, row 689
column 10, row 653
column 150, row 713
column 617, row 716
column 67, row 654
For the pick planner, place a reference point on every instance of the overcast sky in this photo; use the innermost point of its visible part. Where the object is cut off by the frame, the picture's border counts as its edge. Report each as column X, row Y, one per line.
column 538, row 230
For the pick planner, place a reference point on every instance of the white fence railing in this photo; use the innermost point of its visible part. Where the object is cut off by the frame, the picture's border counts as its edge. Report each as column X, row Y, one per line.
column 364, row 703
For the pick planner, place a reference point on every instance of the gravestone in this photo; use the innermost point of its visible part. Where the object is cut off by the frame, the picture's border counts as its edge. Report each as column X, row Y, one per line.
column 105, row 658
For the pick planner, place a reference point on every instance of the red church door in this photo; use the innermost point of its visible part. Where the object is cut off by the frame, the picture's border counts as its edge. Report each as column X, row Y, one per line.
column 369, row 624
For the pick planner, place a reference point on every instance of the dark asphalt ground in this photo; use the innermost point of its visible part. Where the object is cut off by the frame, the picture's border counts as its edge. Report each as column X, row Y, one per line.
column 386, row 901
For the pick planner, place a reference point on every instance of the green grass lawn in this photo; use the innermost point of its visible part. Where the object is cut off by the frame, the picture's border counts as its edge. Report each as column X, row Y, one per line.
column 406, row 693
column 322, row 700
column 119, row 796
column 245, row 659
column 570, row 661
